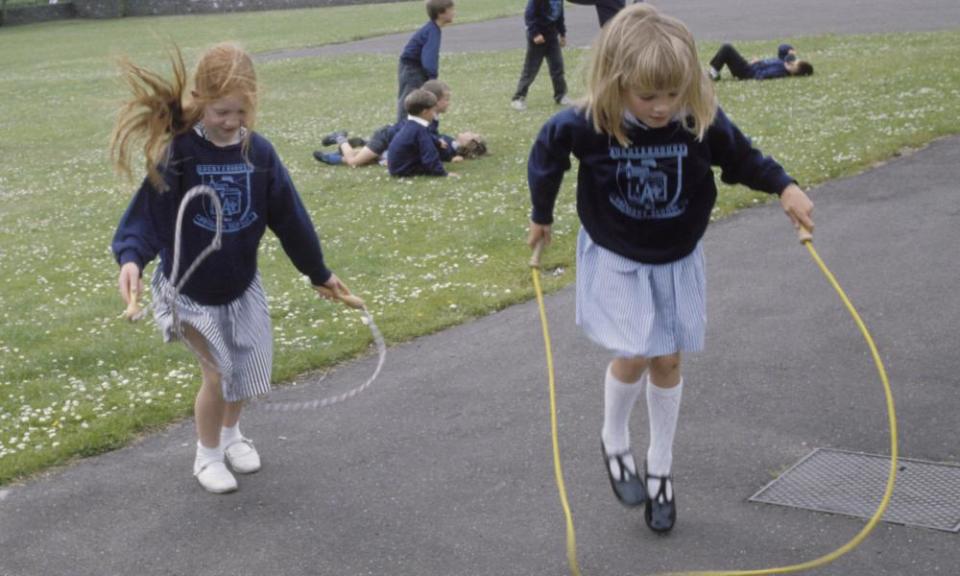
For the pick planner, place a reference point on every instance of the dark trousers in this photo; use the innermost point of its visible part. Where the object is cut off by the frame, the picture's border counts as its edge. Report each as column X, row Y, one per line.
column 606, row 9
column 550, row 49
column 728, row 56
column 410, row 76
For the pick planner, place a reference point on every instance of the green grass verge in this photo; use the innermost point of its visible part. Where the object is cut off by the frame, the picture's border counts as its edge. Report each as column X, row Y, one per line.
column 426, row 253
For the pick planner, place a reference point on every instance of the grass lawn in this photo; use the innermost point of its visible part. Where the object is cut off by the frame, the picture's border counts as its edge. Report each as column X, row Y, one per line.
column 425, row 253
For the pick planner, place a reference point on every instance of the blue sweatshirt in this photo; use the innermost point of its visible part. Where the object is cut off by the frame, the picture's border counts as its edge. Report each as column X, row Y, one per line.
column 423, row 49
column 772, row 67
column 446, row 153
column 413, row 151
column 650, row 201
column 254, row 195
column 544, row 17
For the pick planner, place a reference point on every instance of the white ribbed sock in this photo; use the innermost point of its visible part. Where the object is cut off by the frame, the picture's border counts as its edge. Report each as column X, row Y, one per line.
column 229, row 435
column 618, row 401
column 663, row 406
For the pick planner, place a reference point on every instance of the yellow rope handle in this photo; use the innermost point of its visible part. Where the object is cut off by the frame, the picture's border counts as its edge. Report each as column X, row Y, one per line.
column 557, row 468
column 807, row 240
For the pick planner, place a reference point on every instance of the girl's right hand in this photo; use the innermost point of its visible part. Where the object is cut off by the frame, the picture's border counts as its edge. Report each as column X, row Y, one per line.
column 130, row 283
column 538, row 233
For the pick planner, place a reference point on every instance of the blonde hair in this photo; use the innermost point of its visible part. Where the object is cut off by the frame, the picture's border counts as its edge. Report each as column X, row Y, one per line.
column 161, row 108
column 641, row 49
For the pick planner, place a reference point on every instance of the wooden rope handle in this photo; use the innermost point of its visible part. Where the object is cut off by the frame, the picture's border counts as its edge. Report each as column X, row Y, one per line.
column 348, row 299
column 132, row 313
column 803, row 234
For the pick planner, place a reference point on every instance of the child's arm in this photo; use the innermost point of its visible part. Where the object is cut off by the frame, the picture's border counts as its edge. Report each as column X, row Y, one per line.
column 783, row 50
column 741, row 163
column 429, row 156
column 430, row 54
column 289, row 220
column 549, row 159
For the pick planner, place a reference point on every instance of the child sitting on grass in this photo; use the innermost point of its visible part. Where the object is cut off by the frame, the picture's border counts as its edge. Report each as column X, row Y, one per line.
column 413, row 150
column 359, row 152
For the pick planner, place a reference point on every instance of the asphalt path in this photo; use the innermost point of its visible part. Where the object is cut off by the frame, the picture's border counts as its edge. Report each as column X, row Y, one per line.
column 716, row 20
column 443, row 466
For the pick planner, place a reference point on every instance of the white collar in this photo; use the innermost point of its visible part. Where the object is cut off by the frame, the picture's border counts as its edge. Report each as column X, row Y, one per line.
column 419, row 120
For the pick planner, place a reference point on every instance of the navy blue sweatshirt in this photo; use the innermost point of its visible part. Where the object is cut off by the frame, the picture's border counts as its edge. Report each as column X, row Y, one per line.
column 773, row 67
column 413, row 151
column 254, row 195
column 423, row 49
column 651, row 201
column 544, row 17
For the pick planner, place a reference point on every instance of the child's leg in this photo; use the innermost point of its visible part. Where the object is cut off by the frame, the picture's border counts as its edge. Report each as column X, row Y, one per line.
column 555, row 64
column 728, row 56
column 353, row 157
column 664, row 391
column 409, row 78
column 621, row 391
column 209, row 410
column 209, row 407
column 531, row 66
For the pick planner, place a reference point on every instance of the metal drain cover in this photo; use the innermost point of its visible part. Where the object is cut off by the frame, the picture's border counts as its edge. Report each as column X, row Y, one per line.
column 927, row 494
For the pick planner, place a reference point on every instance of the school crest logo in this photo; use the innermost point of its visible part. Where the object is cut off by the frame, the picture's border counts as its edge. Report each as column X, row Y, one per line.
column 649, row 181
column 232, row 183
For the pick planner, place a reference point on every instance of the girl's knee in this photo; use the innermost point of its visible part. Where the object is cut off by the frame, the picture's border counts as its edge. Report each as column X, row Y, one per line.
column 628, row 369
column 665, row 365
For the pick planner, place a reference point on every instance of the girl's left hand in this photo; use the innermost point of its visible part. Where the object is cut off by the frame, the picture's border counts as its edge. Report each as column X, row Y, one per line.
column 798, row 207
column 334, row 289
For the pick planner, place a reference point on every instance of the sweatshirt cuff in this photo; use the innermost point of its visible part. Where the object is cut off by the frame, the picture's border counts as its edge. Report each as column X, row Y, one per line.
column 320, row 278
column 541, row 216
column 128, row 256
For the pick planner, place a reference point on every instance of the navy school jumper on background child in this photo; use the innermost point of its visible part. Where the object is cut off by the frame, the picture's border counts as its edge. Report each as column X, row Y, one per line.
column 208, row 139
column 414, row 150
column 645, row 190
column 546, row 36
column 606, row 9
column 785, row 64
column 420, row 58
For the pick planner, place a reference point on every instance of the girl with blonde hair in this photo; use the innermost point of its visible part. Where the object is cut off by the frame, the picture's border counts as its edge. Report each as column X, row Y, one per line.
column 646, row 136
column 202, row 134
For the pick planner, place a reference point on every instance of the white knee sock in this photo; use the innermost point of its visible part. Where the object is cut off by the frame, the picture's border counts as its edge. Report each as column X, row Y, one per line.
column 618, row 401
column 229, row 435
column 663, row 406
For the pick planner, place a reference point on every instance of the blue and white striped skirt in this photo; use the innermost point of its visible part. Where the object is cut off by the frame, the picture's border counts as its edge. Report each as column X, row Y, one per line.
column 636, row 309
column 238, row 335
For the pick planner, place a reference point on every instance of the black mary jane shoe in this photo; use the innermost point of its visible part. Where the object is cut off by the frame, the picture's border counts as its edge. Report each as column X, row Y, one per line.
column 661, row 513
column 627, row 485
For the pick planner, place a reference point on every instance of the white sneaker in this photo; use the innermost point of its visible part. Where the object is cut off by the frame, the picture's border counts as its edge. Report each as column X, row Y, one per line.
column 565, row 101
column 214, row 477
column 242, row 456
column 518, row 104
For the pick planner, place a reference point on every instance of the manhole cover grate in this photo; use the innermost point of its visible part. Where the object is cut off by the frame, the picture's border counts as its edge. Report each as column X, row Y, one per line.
column 926, row 494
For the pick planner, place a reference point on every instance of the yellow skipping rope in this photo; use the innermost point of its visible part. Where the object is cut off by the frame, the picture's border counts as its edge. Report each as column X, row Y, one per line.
column 807, row 240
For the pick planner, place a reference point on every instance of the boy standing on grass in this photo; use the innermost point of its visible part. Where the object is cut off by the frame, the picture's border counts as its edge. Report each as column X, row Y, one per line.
column 546, row 35
column 413, row 151
column 420, row 59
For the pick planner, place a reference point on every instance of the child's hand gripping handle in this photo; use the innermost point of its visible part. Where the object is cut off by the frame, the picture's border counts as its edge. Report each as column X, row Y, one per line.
column 132, row 313
column 345, row 297
column 535, row 257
